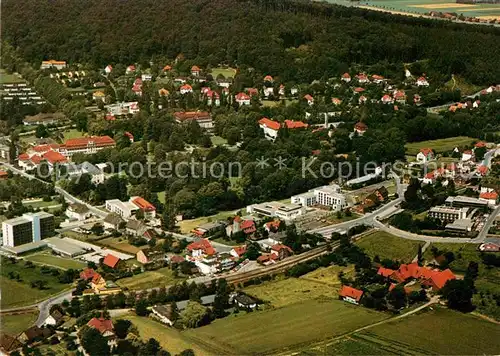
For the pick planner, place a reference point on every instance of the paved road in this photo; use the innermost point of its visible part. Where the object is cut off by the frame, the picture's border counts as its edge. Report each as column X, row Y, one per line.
column 491, row 219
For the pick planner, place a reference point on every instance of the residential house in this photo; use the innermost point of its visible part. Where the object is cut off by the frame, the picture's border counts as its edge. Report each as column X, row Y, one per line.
column 281, row 251
column 146, row 207
column 87, row 274
column 345, row 77
column 467, row 155
column 238, row 251
column 239, row 224
column 244, row 301
column 362, row 78
column 108, row 69
column 195, row 71
column 269, row 79
column 427, row 276
column 34, row 334
column 281, row 90
column 209, row 228
column 382, row 194
column 270, row 128
column 425, row 155
column 387, row 99
column 78, row 212
column 104, row 326
column 267, row 259
column 378, row 79
column 358, row 90
column 146, row 77
column 151, row 255
column 309, row 99
column 360, row 128
column 242, row 99
column 399, row 96
column 112, row 221
column 294, row 91
column 350, row 294
column 163, row 92
column 99, row 96
column 490, row 197
column 102, row 287
column 185, row 89
column 203, row 118
column 53, row 64
column 130, row 69
column 164, row 313
column 213, row 98
column 272, row 226
column 422, row 82
column 111, row 261
column 135, row 227
column 200, row 248
column 362, row 99
column 54, row 318
column 336, row 101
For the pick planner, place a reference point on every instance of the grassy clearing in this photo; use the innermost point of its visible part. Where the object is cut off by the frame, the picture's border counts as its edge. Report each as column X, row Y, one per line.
column 459, row 83
column 440, row 146
column 40, row 204
column 161, row 196
column 15, row 324
column 186, row 226
column 445, row 332
column 225, row 242
column 226, row 72
column 123, row 245
column 288, row 291
column 6, row 78
column 160, row 278
column 272, row 103
column 54, row 261
column 385, row 245
column 169, row 338
column 280, row 329
column 72, row 133
column 329, row 275
column 218, row 141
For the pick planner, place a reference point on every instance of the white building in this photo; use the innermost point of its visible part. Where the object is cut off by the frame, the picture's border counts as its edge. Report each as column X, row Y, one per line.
column 53, row 64
column 422, row 82
column 96, row 174
column 328, row 195
column 123, row 209
column 242, row 99
column 285, row 212
column 425, row 155
column 78, row 212
column 31, row 227
column 270, row 128
column 146, row 77
column 447, row 213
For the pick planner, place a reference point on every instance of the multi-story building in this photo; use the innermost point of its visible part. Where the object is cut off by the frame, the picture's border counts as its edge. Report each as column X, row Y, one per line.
column 203, row 118
column 283, row 211
column 124, row 209
column 53, row 64
column 448, row 213
column 31, row 227
column 327, row 195
column 86, row 145
column 463, row 201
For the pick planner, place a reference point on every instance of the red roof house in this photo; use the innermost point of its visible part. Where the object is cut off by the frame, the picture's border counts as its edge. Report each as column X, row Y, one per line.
column 274, row 125
column 111, row 260
column 385, row 272
column 295, row 124
column 351, row 295
column 105, row 326
column 143, row 204
column 202, row 246
column 54, row 157
column 87, row 273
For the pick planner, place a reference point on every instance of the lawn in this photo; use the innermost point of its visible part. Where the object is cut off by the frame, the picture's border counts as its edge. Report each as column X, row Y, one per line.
column 218, row 141
column 72, row 133
column 186, row 226
column 40, row 204
column 440, row 146
column 273, row 103
column 329, row 275
column 280, row 293
column 169, row 338
column 161, row 196
column 226, row 72
column 123, row 245
column 54, row 261
column 15, row 324
column 445, row 332
column 160, row 278
column 385, row 245
column 6, row 78
column 278, row 330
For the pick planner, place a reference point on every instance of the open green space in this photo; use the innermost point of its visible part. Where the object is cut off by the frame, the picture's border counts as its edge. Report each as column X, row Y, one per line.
column 121, row 244
column 218, row 141
column 54, row 261
column 277, row 330
column 226, row 72
column 329, row 275
column 15, row 324
column 385, row 245
column 161, row 196
column 6, row 78
column 186, row 226
column 150, row 279
column 40, row 204
column 72, row 133
column 272, row 103
column 169, row 338
column 17, row 294
column 439, row 146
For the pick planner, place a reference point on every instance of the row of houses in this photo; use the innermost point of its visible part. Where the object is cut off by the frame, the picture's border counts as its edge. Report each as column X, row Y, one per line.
column 23, row 92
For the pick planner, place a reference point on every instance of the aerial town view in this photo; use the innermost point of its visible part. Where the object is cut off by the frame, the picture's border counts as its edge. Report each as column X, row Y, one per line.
column 249, row 177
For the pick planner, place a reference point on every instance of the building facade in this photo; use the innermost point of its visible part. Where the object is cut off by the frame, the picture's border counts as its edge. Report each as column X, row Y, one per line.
column 29, row 228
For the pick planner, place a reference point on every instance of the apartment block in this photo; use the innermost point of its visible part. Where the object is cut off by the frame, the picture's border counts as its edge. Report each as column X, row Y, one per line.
column 30, row 227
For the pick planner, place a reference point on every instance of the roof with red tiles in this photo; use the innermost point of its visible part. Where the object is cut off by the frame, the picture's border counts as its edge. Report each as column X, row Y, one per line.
column 111, row 260
column 347, row 291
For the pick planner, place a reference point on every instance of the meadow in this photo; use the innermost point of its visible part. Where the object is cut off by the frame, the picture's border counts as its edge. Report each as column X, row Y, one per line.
column 283, row 328
column 54, row 261
column 439, row 146
column 15, row 324
column 186, row 226
column 6, row 78
column 385, row 245
column 160, row 278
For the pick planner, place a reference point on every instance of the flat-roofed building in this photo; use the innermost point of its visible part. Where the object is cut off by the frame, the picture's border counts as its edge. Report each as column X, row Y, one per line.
column 124, row 209
column 276, row 209
column 53, row 64
column 31, row 227
column 448, row 213
column 462, row 201
column 327, row 195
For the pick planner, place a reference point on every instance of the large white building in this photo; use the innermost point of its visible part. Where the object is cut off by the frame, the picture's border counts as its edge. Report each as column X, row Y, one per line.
column 285, row 212
column 125, row 209
column 448, row 213
column 328, row 195
column 31, row 227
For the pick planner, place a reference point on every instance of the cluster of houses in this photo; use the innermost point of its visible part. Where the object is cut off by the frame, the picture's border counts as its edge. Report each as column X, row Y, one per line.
column 409, row 275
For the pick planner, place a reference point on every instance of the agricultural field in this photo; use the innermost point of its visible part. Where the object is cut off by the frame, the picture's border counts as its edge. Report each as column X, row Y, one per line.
column 121, row 244
column 280, row 293
column 273, row 103
column 54, row 261
column 40, row 204
column 329, row 275
column 160, row 278
column 186, row 226
column 169, row 338
column 283, row 328
column 15, row 324
column 385, row 245
column 226, row 72
column 440, row 146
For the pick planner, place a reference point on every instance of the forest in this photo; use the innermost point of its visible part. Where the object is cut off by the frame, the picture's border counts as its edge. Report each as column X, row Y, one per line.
column 299, row 41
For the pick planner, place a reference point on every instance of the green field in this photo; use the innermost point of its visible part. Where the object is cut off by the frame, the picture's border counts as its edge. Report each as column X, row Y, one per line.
column 40, row 204
column 161, row 196
column 54, row 261
column 385, row 245
column 6, row 78
column 121, row 244
column 160, row 278
column 169, row 338
column 186, row 226
column 439, row 146
column 72, row 133
column 272, row 103
column 226, row 72
column 15, row 324
column 218, row 141
column 280, row 329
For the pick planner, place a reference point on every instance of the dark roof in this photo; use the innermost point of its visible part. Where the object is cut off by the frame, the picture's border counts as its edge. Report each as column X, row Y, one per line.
column 79, row 208
column 113, row 218
column 35, row 332
column 57, row 315
column 134, row 225
column 9, row 343
column 245, row 299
